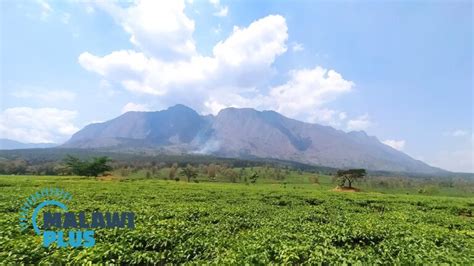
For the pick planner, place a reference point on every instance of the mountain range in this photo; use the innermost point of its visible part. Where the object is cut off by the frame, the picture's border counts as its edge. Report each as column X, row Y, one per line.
column 8, row 144
column 245, row 133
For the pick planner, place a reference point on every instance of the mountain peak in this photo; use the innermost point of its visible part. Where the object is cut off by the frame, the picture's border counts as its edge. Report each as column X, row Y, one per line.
column 358, row 133
column 8, row 144
column 237, row 110
column 238, row 132
column 180, row 107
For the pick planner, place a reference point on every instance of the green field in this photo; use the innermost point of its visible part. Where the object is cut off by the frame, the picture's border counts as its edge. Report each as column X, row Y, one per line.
column 236, row 223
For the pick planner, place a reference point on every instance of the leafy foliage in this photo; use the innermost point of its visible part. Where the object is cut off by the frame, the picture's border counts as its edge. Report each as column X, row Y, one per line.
column 254, row 177
column 218, row 223
column 350, row 176
column 94, row 167
column 189, row 172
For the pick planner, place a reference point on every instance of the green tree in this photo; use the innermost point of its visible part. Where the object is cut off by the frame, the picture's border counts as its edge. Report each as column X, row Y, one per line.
column 98, row 166
column 253, row 178
column 172, row 172
column 76, row 166
column 211, row 172
column 231, row 175
column 189, row 172
column 94, row 167
column 314, row 179
column 350, row 176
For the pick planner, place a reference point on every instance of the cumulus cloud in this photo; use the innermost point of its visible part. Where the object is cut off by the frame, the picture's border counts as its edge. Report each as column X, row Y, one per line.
column 166, row 64
column 309, row 88
column 159, row 28
column 37, row 125
column 360, row 123
column 45, row 95
column 239, row 62
column 135, row 107
column 327, row 116
column 396, row 144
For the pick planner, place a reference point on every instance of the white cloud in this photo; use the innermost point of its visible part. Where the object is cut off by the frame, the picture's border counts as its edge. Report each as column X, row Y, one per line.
column 222, row 11
column 135, row 107
column 46, row 9
column 342, row 115
column 46, row 12
column 44, row 95
column 307, row 89
column 238, row 63
column 327, row 116
column 257, row 45
column 218, row 29
column 214, row 107
column 396, row 144
column 105, row 88
column 235, row 74
column 297, row 47
column 160, row 28
column 360, row 123
column 37, row 125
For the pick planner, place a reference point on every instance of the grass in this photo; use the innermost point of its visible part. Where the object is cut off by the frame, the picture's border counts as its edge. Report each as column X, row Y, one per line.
column 226, row 223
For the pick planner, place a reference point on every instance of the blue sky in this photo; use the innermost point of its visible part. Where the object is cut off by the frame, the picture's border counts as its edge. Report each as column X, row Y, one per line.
column 400, row 70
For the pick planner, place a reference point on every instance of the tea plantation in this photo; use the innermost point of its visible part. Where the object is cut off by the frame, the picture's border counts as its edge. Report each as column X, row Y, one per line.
column 225, row 223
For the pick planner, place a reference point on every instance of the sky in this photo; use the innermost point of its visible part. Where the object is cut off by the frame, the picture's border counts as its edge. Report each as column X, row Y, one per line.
column 399, row 70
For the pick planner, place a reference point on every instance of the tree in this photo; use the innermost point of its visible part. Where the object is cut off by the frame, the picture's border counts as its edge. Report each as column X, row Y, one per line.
column 231, row 174
column 189, row 172
column 350, row 176
column 314, row 179
column 98, row 166
column 254, row 177
column 211, row 171
column 94, row 167
column 172, row 173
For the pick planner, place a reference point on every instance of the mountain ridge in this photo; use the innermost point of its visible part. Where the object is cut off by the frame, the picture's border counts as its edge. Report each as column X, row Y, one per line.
column 9, row 144
column 245, row 132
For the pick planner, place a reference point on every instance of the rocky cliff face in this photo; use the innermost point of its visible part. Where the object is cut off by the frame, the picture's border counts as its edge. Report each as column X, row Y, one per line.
column 242, row 133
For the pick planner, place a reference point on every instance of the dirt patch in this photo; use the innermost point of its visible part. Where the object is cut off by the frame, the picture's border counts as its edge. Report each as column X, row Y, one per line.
column 345, row 189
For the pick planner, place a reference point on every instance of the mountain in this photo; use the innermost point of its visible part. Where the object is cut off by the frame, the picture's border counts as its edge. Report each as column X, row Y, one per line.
column 245, row 133
column 8, row 144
